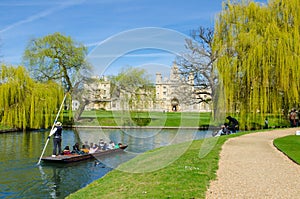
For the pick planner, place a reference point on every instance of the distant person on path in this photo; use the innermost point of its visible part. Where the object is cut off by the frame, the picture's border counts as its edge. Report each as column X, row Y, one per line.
column 266, row 123
column 293, row 115
column 233, row 124
column 297, row 118
column 56, row 132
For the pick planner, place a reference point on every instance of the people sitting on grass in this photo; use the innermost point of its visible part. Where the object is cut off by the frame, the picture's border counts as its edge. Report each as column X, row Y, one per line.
column 233, row 124
column 223, row 131
column 227, row 128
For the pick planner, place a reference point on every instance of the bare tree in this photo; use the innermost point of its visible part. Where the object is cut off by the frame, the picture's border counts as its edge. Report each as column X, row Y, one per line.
column 196, row 65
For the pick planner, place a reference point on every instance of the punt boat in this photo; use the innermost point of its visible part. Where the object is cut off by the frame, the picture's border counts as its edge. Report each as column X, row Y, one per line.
column 80, row 157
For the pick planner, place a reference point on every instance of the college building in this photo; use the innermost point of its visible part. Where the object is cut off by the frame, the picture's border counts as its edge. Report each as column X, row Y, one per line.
column 173, row 94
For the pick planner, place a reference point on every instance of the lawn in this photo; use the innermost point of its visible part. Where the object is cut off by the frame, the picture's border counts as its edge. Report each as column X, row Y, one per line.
column 124, row 118
column 290, row 146
column 168, row 119
column 160, row 174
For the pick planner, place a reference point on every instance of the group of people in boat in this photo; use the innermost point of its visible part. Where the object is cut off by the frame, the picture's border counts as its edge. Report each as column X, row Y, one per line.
column 90, row 148
column 85, row 149
column 228, row 128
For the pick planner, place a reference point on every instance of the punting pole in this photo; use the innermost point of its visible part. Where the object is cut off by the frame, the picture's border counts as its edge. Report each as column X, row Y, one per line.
column 62, row 103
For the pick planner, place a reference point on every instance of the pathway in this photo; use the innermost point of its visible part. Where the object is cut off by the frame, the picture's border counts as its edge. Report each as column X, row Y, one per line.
column 251, row 167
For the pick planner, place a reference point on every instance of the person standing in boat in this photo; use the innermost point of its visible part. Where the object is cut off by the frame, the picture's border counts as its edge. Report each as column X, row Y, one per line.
column 56, row 132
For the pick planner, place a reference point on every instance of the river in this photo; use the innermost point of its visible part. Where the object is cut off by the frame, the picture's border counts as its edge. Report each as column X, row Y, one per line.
column 21, row 177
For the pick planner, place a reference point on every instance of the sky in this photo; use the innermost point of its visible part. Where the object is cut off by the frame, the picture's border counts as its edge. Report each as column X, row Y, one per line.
column 118, row 33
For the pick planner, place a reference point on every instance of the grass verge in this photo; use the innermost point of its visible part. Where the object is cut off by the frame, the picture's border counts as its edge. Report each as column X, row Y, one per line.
column 290, row 146
column 186, row 177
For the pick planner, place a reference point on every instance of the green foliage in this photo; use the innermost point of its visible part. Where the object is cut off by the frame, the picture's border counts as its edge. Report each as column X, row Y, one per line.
column 131, row 78
column 133, row 86
column 258, row 57
column 25, row 103
column 56, row 57
column 290, row 146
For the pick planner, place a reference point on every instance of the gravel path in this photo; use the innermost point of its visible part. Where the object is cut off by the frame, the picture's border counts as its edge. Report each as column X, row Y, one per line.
column 251, row 167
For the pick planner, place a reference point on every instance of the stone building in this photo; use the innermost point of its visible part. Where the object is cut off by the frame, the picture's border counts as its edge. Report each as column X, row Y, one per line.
column 177, row 94
column 169, row 95
column 99, row 93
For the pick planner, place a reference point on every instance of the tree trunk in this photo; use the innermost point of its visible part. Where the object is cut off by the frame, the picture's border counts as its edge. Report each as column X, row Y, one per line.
column 80, row 110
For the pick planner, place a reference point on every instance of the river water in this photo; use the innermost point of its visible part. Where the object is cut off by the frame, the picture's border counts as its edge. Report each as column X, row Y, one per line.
column 21, row 177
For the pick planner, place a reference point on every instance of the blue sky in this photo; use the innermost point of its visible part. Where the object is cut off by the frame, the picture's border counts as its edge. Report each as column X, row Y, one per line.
column 98, row 24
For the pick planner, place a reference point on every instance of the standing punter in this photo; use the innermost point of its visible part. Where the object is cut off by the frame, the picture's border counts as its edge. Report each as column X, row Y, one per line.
column 56, row 132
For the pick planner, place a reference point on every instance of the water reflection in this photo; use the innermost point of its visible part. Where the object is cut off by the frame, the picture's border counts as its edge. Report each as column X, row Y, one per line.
column 21, row 178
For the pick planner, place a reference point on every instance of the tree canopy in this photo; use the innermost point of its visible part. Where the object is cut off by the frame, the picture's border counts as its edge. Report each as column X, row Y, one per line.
column 57, row 57
column 133, row 86
column 25, row 103
column 258, row 47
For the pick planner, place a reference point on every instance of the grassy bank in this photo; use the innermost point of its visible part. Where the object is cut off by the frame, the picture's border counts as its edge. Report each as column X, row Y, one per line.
column 122, row 118
column 167, row 119
column 187, row 176
column 289, row 145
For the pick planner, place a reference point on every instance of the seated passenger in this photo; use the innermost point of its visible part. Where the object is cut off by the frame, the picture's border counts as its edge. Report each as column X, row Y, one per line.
column 93, row 149
column 76, row 148
column 66, row 151
column 101, row 144
column 111, row 145
column 84, row 149
column 119, row 145
column 104, row 146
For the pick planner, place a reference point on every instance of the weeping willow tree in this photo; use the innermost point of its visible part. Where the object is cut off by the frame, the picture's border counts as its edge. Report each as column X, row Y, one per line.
column 258, row 50
column 25, row 103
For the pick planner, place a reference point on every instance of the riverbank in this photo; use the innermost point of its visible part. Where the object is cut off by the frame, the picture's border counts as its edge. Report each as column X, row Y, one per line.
column 189, row 176
column 150, row 176
column 9, row 130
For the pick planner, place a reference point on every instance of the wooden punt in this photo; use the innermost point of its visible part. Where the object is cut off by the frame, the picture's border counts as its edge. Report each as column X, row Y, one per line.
column 80, row 157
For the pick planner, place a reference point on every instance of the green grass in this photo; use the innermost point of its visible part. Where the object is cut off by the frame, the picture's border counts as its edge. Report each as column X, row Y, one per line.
column 188, row 176
column 168, row 119
column 4, row 127
column 289, row 145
